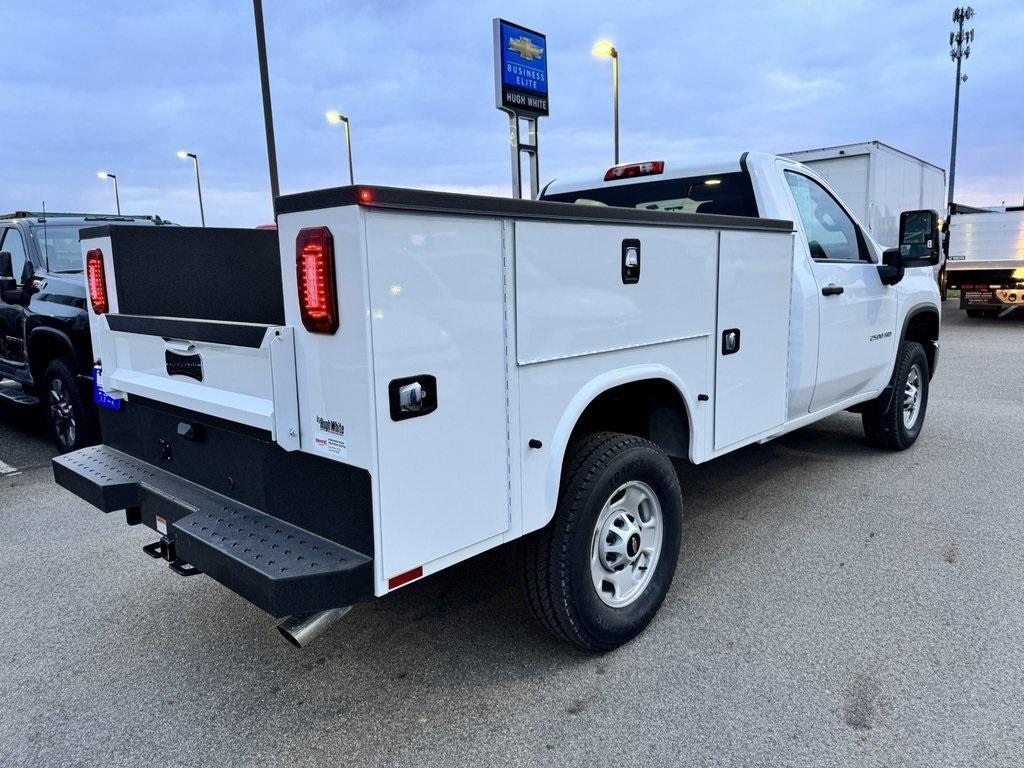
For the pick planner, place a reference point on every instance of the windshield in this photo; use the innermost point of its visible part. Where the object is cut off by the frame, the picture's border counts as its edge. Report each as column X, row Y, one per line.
column 722, row 193
column 58, row 246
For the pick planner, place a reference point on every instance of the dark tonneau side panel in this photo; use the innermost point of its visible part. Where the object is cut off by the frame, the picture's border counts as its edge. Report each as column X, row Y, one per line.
column 232, row 275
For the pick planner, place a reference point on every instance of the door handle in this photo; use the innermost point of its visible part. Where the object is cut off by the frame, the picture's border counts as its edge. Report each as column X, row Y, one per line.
column 832, row 290
column 412, row 396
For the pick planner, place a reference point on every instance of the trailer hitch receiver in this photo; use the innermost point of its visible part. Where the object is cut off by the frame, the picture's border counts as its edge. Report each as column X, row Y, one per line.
column 164, row 550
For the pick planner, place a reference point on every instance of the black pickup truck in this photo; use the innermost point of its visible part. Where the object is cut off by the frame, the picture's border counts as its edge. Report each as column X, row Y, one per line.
column 45, row 354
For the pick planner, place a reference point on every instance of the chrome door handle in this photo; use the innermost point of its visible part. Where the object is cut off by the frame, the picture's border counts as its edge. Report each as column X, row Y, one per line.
column 410, row 397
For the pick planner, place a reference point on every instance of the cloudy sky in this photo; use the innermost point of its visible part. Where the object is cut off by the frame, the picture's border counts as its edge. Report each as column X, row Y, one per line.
column 123, row 85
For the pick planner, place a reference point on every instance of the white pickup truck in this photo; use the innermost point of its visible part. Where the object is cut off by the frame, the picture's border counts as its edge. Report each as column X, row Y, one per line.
column 397, row 380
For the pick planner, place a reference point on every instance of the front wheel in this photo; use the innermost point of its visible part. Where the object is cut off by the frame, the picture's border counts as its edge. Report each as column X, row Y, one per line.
column 72, row 419
column 598, row 573
column 894, row 420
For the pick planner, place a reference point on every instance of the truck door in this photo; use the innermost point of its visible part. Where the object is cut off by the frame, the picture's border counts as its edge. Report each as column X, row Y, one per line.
column 857, row 315
column 12, row 313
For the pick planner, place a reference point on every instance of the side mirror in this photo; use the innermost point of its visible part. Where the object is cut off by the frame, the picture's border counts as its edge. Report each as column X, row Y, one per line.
column 919, row 239
column 6, row 268
column 891, row 271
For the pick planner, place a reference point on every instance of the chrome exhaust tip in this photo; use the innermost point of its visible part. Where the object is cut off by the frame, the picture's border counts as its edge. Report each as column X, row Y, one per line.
column 302, row 629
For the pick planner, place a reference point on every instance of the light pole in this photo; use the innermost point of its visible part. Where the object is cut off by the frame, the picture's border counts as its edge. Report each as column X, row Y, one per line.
column 604, row 48
column 960, row 48
column 268, row 110
column 334, row 117
column 195, row 160
column 117, row 197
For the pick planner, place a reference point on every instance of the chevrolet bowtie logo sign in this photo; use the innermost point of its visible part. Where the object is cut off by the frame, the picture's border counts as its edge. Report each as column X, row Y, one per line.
column 525, row 48
column 520, row 69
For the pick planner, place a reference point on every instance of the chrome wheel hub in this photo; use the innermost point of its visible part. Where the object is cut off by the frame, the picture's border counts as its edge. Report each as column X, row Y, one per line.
column 62, row 413
column 912, row 397
column 626, row 544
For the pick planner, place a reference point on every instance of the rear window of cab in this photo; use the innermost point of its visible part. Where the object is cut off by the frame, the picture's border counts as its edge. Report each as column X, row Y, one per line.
column 728, row 194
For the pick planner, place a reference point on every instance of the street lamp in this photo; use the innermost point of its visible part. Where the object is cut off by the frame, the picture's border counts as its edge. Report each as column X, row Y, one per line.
column 334, row 117
column 959, row 49
column 117, row 197
column 195, row 161
column 604, row 49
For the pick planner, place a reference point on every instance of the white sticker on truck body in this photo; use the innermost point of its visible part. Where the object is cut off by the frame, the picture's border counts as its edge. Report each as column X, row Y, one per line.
column 330, row 438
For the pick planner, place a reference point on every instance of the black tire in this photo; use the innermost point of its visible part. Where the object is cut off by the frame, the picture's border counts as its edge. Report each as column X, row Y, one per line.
column 555, row 561
column 73, row 422
column 883, row 419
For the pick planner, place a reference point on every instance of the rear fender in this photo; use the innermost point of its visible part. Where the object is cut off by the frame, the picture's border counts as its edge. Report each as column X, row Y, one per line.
column 578, row 405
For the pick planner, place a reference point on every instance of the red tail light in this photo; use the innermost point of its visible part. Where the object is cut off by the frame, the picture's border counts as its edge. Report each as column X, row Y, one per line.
column 314, row 267
column 617, row 172
column 97, row 281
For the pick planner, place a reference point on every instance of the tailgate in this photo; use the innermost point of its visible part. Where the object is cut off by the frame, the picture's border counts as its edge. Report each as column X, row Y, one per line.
column 986, row 241
column 195, row 319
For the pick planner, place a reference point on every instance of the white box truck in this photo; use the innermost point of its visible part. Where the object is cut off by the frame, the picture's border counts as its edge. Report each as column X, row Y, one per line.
column 397, row 380
column 986, row 260
column 878, row 182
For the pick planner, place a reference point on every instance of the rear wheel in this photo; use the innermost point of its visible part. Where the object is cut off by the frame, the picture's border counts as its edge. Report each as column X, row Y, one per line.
column 72, row 419
column 894, row 420
column 598, row 573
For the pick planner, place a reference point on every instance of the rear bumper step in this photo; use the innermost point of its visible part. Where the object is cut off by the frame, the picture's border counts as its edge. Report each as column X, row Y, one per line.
column 277, row 566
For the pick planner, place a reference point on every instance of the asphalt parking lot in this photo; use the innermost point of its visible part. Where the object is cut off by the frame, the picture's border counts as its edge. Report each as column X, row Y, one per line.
column 834, row 605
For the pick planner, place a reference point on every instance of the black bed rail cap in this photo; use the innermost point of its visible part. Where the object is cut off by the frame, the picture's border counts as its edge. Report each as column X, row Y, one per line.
column 399, row 198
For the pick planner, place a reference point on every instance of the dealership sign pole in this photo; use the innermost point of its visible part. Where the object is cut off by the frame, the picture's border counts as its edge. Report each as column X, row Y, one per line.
column 521, row 90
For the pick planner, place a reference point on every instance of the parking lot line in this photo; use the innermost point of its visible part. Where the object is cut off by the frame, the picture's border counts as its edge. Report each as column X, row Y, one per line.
column 6, row 469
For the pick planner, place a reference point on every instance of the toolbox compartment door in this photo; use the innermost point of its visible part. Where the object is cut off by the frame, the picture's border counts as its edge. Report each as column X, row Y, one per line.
column 436, row 299
column 754, row 286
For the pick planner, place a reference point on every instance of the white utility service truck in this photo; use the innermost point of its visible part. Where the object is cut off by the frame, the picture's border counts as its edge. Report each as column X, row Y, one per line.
column 986, row 260
column 397, row 380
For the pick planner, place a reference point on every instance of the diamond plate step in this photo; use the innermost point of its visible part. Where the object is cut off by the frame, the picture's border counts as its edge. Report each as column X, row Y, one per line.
column 280, row 567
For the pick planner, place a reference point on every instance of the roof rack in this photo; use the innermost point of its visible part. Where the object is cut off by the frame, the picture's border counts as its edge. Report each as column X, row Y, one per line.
column 39, row 215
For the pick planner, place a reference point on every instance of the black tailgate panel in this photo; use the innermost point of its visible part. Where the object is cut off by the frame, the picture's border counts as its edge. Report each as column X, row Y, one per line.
column 233, row 275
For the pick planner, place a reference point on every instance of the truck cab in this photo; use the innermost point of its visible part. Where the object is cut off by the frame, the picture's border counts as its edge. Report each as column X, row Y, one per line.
column 848, row 314
column 45, row 349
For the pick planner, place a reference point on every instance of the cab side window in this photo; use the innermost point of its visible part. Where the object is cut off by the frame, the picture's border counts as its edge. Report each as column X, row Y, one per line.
column 13, row 244
column 831, row 233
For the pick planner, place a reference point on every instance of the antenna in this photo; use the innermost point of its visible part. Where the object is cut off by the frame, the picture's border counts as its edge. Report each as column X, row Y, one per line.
column 960, row 49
